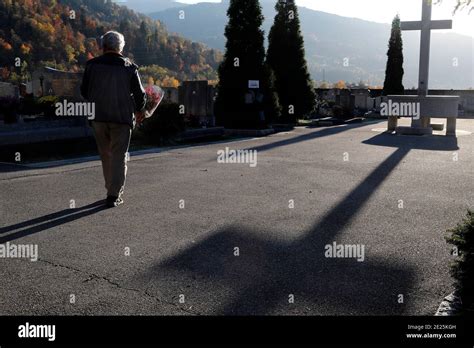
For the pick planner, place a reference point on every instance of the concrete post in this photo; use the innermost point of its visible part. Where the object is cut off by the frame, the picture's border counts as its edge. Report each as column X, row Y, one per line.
column 451, row 126
column 392, row 123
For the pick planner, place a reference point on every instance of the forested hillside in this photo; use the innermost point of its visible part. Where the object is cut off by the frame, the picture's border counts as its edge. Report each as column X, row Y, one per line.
column 63, row 34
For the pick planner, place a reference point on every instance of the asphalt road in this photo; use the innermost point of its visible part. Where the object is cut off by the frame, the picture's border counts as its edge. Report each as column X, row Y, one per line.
column 394, row 196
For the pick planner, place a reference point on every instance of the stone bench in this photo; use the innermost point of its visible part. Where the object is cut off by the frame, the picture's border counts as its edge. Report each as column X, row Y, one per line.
column 431, row 106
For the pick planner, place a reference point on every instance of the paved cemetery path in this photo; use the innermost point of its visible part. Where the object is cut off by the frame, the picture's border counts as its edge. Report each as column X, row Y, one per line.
column 190, row 251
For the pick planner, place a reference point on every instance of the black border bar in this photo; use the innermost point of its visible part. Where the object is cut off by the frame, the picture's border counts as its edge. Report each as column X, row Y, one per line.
column 168, row 330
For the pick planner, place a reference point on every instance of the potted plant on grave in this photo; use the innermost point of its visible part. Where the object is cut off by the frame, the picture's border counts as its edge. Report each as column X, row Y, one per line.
column 47, row 105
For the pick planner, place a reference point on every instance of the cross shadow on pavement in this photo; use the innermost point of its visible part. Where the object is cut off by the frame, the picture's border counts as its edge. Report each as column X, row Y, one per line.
column 319, row 133
column 259, row 281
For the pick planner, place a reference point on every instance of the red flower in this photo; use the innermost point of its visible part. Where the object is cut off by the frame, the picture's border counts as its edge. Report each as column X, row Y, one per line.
column 154, row 97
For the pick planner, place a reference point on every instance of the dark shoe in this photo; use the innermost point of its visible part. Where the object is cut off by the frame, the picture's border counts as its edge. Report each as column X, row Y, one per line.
column 113, row 201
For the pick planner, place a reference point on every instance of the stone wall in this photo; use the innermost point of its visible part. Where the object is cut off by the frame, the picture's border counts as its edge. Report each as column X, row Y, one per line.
column 8, row 90
column 57, row 82
column 363, row 99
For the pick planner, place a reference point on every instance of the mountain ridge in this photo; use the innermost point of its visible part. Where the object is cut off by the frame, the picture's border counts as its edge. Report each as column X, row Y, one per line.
column 147, row 6
column 332, row 40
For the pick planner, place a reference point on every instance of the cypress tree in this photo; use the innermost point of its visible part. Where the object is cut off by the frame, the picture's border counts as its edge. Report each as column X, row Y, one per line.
column 244, row 60
column 393, row 84
column 286, row 57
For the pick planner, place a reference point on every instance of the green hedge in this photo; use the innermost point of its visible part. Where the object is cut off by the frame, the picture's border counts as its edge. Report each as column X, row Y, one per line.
column 8, row 109
column 162, row 127
column 462, row 269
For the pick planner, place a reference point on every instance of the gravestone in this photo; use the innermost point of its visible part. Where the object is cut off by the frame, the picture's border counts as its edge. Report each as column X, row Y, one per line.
column 198, row 99
column 430, row 106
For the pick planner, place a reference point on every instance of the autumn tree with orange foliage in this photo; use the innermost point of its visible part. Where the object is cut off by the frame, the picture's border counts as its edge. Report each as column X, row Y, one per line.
column 340, row 85
column 65, row 32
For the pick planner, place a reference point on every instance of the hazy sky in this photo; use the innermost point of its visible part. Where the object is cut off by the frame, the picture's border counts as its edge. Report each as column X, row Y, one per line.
column 383, row 11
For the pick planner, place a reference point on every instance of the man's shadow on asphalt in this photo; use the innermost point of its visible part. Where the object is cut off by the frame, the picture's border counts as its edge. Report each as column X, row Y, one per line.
column 267, row 272
column 48, row 221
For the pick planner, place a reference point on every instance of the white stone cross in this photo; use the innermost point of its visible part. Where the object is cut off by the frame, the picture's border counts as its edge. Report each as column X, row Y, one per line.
column 431, row 106
column 426, row 25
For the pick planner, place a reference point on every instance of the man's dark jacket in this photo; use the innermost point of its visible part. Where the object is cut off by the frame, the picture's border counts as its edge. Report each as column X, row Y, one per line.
column 111, row 81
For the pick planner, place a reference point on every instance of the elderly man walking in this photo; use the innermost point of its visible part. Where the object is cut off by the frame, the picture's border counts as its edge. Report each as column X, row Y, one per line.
column 112, row 82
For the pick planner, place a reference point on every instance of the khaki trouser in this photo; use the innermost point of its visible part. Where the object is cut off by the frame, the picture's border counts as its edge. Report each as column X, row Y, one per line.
column 113, row 140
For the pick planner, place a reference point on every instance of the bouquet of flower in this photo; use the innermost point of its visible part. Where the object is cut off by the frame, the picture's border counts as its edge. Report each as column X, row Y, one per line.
column 154, row 96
